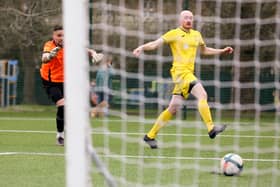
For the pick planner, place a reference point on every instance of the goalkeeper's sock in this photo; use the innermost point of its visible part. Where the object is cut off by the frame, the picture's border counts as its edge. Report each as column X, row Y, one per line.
column 60, row 134
column 60, row 119
column 163, row 118
column 205, row 113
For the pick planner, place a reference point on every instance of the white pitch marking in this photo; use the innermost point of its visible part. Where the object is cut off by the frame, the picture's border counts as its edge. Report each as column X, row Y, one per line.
column 31, row 153
column 130, row 119
column 134, row 157
column 140, row 134
column 27, row 131
column 173, row 134
column 26, row 119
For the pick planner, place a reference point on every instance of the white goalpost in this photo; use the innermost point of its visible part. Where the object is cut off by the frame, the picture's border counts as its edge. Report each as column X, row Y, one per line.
column 79, row 150
column 243, row 92
column 76, row 90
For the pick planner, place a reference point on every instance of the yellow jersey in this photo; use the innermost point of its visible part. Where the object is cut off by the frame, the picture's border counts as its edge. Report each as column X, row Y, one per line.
column 183, row 46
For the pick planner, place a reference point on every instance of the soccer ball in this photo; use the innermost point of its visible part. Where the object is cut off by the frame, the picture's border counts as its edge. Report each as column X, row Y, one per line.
column 231, row 164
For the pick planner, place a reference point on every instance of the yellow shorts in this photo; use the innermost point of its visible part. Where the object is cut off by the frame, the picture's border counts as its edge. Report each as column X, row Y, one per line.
column 182, row 80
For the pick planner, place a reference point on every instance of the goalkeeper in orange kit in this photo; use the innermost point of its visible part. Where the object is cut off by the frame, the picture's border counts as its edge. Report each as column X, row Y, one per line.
column 183, row 42
column 52, row 75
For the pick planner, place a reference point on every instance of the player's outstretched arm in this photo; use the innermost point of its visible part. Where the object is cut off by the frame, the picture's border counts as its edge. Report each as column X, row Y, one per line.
column 148, row 46
column 212, row 51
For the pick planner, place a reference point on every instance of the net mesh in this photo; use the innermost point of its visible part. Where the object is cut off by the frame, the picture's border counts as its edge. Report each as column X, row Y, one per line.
column 243, row 92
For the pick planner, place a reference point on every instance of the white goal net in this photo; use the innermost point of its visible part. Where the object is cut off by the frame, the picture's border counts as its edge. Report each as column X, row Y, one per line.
column 243, row 92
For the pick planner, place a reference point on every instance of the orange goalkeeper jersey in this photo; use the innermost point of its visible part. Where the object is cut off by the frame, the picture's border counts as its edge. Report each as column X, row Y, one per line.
column 53, row 71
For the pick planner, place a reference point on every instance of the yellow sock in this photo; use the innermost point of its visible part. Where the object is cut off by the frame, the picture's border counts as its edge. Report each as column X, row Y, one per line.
column 163, row 118
column 205, row 113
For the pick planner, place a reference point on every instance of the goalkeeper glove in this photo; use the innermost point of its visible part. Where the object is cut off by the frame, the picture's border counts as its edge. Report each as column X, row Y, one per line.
column 53, row 53
column 97, row 57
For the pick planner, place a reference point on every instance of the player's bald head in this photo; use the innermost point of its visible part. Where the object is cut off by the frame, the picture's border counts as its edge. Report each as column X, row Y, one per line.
column 186, row 19
column 186, row 13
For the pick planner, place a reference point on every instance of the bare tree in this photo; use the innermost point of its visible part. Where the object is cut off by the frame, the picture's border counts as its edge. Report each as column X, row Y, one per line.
column 24, row 26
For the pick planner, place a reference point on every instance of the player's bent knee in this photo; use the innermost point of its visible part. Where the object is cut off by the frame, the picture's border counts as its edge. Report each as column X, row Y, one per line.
column 173, row 109
column 60, row 102
column 204, row 95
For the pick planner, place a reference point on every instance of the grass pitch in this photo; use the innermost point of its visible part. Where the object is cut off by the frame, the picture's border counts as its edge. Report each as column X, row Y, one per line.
column 186, row 157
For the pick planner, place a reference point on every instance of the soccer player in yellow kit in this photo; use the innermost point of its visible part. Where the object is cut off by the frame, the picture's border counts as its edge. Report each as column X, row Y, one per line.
column 183, row 42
